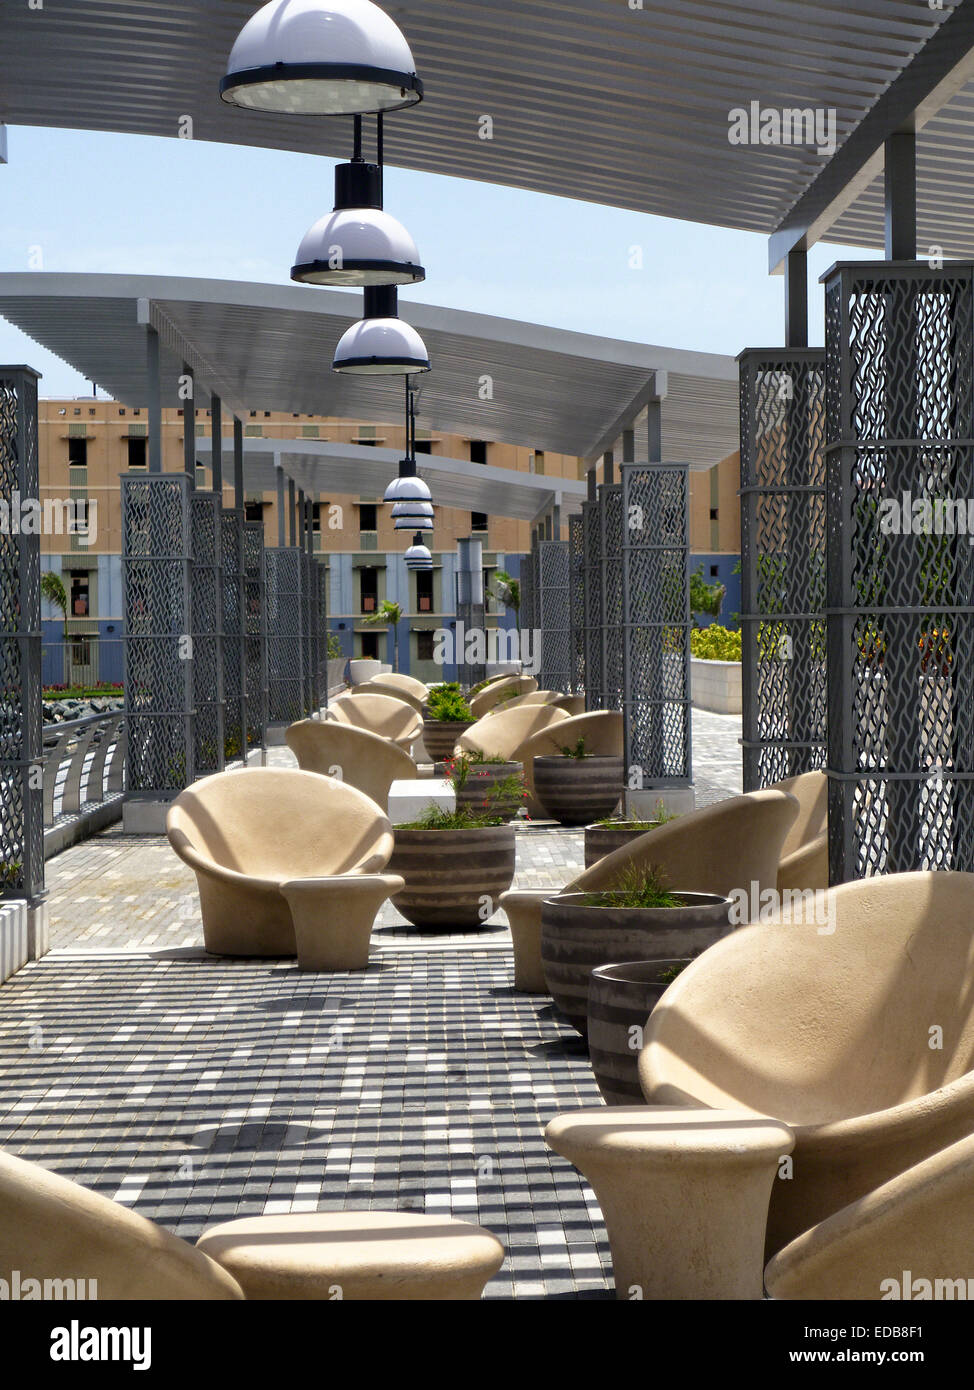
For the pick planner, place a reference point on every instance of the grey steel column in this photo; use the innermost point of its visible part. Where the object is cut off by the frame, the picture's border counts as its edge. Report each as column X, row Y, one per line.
column 216, row 445
column 238, row 469
column 291, row 503
column 796, row 299
column 608, row 468
column 654, row 431
column 628, row 446
column 470, row 603
column 281, row 508
column 189, row 430
column 154, row 402
column 900, row 189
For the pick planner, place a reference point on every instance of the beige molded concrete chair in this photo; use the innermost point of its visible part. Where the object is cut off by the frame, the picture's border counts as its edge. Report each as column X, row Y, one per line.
column 411, row 692
column 354, row 756
column 805, row 857
column 718, row 849
column 602, row 731
column 251, row 833
column 484, row 702
column 918, row 1228
column 53, row 1228
column 389, row 716
column 505, row 733
column 832, row 1026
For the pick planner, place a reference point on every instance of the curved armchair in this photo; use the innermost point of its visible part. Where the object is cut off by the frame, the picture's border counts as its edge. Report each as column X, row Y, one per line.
column 729, row 845
column 602, row 731
column 389, row 716
column 919, row 1224
column 505, row 733
column 831, row 1026
column 248, row 833
column 805, row 857
column 354, row 756
column 488, row 697
column 55, row 1228
column 411, row 692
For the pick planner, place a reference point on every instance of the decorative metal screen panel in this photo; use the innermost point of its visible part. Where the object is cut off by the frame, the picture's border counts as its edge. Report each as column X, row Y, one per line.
column 576, row 606
column 156, row 573
column 234, row 649
column 655, row 621
column 21, row 753
column 900, row 614
column 321, row 581
column 592, row 637
column 611, row 541
column 255, row 637
column 207, row 614
column 782, row 562
column 553, row 615
column 285, row 634
column 529, row 566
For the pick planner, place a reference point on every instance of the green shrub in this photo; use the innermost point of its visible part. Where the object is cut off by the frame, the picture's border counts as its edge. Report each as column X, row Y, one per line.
column 577, row 751
column 446, row 703
column 636, row 888
column 435, row 818
column 334, row 647
column 715, row 643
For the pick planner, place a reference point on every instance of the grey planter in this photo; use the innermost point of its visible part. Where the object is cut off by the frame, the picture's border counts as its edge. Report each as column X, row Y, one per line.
column 576, row 939
column 601, row 840
column 620, row 1000
column 440, row 735
column 482, row 778
column 448, row 874
column 575, row 791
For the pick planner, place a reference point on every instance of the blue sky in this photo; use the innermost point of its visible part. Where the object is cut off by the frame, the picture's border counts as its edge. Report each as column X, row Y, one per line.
column 95, row 202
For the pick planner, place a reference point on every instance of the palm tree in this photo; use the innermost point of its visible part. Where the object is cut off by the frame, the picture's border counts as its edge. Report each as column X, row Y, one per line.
column 52, row 588
column 508, row 592
column 388, row 614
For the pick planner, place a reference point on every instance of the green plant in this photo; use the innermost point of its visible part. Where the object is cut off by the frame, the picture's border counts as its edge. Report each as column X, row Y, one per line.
column 660, row 817
column 52, row 589
column 446, row 703
column 715, row 643
column 508, row 592
column 577, row 751
column 388, row 614
column 334, row 647
column 435, row 818
column 10, row 873
column 704, row 597
column 666, row 977
column 644, row 888
column 510, row 788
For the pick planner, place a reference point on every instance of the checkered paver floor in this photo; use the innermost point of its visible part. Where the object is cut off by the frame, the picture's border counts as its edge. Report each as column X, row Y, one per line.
column 196, row 1089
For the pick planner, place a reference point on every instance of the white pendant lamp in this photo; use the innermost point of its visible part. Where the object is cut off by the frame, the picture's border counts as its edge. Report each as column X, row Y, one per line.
column 358, row 243
column 418, row 556
column 381, row 344
column 321, row 58
column 413, row 523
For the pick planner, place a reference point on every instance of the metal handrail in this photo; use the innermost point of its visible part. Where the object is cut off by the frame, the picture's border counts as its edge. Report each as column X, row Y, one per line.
column 84, row 764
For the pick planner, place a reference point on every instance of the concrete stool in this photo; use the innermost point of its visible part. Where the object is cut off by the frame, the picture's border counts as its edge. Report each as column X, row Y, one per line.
column 409, row 798
column 333, row 917
column 684, row 1194
column 360, row 1255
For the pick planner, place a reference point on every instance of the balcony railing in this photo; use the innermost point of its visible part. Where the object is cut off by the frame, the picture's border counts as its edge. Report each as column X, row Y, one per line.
column 84, row 778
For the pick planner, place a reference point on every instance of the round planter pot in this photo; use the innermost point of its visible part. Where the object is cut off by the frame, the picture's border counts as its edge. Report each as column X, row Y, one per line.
column 601, row 840
column 576, row 939
column 440, row 735
column 482, row 778
column 620, row 1000
column 448, row 873
column 575, row 791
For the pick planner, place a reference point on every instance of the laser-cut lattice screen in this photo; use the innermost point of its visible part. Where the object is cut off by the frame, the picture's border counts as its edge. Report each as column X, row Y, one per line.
column 553, row 615
column 285, row 634
column 233, row 631
column 576, row 604
column 207, row 614
column 255, row 644
column 592, row 632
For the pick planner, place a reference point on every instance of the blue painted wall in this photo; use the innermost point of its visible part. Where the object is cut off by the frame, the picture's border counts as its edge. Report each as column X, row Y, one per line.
column 732, row 599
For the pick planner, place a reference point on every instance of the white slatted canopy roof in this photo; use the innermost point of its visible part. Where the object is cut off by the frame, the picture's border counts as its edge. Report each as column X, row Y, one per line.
column 621, row 102
column 271, row 346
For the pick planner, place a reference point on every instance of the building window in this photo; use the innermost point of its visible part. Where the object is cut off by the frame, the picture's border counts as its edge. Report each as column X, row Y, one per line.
column 81, row 651
column 424, row 645
column 424, row 591
column 79, row 593
column 121, row 410
column 478, row 521
column 137, row 411
column 713, row 513
column 78, row 453
column 316, row 518
column 713, row 571
column 478, row 451
column 91, row 410
column 253, row 511
column 537, row 463
column 370, row 645
column 80, row 523
column 424, row 446
column 369, row 590
column 367, row 516
column 137, row 456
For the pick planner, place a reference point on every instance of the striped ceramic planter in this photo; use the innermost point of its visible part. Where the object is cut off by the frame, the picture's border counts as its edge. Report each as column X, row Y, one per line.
column 451, row 874
column 620, row 1000
column 601, row 840
column 440, row 736
column 575, row 791
column 482, row 778
column 576, row 939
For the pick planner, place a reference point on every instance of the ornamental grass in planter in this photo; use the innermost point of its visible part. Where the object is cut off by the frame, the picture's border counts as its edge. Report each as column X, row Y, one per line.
column 447, row 716
column 612, row 832
column 456, row 864
column 487, row 786
column 640, row 918
column 575, row 786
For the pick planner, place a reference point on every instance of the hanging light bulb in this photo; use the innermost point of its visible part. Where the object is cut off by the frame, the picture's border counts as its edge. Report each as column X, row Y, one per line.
column 418, row 556
column 321, row 58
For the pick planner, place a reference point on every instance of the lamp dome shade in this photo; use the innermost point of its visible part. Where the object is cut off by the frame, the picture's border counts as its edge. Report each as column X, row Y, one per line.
column 413, row 523
column 381, row 347
column 412, row 509
column 357, row 246
column 321, row 58
column 418, row 557
column 407, row 489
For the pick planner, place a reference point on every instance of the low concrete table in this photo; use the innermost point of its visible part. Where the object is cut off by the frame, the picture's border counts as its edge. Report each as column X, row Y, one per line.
column 333, row 917
column 355, row 1255
column 684, row 1194
column 409, row 797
